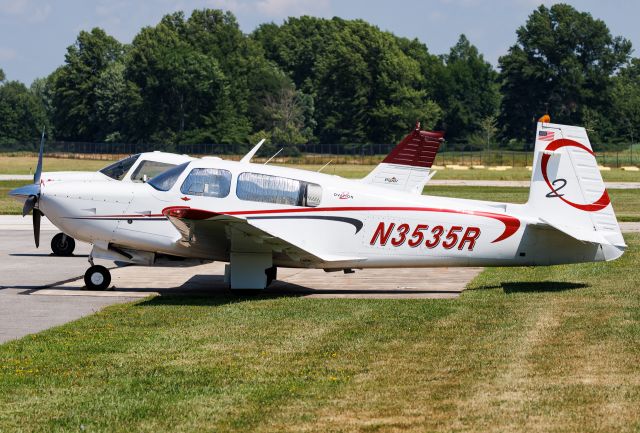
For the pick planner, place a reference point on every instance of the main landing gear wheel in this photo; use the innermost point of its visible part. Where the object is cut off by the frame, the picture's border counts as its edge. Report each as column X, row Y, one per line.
column 62, row 245
column 97, row 278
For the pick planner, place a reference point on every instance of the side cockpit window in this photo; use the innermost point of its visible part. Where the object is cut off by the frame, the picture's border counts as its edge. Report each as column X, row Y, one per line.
column 166, row 180
column 149, row 169
column 207, row 182
column 280, row 190
column 119, row 169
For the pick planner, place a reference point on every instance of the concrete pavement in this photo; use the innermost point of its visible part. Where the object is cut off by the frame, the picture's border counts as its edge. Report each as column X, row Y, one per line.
column 24, row 269
column 20, row 223
column 16, row 177
column 39, row 291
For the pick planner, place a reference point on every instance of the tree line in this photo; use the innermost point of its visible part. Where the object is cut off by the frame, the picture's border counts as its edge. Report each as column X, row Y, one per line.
column 199, row 79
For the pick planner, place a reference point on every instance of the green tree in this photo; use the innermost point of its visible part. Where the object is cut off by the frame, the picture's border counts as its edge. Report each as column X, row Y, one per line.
column 181, row 95
column 626, row 100
column 198, row 79
column 113, row 94
column 366, row 85
column 488, row 128
column 564, row 60
column 74, row 89
column 467, row 90
column 287, row 112
column 2, row 76
column 42, row 91
column 22, row 116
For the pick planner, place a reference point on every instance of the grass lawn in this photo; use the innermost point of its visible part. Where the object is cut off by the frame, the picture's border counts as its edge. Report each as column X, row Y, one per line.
column 524, row 349
column 8, row 205
column 26, row 165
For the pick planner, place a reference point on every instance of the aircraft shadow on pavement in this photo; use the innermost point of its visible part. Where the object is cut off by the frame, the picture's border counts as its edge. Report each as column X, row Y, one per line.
column 211, row 289
column 535, row 286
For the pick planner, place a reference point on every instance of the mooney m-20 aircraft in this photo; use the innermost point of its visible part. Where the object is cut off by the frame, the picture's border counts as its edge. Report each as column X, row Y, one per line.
column 135, row 168
column 261, row 217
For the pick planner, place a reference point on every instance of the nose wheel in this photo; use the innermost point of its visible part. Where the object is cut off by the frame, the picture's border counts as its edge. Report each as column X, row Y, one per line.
column 97, row 278
column 62, row 245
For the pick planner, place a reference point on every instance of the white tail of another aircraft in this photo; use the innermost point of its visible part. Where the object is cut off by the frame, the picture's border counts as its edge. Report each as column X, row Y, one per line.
column 407, row 167
column 567, row 191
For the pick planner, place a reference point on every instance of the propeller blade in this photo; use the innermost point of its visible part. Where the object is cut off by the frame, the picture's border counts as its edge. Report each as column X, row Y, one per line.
column 38, row 173
column 37, row 215
column 29, row 204
column 23, row 192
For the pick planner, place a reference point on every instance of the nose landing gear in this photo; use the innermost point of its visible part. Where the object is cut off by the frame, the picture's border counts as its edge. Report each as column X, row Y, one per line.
column 97, row 278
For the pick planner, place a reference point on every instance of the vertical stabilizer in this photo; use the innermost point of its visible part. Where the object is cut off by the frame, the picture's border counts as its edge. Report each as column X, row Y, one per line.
column 408, row 165
column 567, row 191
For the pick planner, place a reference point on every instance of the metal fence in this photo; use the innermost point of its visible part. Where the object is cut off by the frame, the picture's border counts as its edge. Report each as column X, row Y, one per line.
column 364, row 154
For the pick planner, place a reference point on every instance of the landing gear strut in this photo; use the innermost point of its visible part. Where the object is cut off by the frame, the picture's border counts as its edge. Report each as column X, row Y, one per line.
column 97, row 278
column 272, row 274
column 62, row 245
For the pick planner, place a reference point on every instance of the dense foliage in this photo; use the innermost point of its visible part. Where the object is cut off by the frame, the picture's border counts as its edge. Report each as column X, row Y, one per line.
column 199, row 79
column 564, row 60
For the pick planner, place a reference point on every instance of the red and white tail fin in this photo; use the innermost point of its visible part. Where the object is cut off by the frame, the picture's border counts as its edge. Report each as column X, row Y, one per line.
column 408, row 165
column 567, row 190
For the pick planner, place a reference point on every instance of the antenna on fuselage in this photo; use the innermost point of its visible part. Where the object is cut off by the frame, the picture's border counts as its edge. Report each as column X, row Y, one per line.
column 274, row 155
column 252, row 152
column 325, row 166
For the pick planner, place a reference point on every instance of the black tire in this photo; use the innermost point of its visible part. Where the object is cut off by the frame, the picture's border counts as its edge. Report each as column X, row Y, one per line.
column 97, row 278
column 272, row 274
column 62, row 245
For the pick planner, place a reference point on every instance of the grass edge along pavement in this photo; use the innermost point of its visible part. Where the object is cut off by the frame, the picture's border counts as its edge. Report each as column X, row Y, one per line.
column 523, row 349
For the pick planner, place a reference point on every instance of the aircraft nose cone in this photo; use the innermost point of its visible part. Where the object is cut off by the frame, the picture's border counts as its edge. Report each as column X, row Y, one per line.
column 25, row 191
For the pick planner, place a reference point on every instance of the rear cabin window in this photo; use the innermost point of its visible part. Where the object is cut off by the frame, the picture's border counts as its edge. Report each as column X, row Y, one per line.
column 280, row 190
column 207, row 182
column 149, row 169
column 119, row 169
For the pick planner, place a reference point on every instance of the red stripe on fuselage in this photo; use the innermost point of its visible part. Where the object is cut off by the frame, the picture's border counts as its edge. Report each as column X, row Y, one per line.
column 512, row 224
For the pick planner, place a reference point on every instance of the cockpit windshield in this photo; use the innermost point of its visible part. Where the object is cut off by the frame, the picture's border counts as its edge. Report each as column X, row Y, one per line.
column 149, row 169
column 118, row 170
column 166, row 180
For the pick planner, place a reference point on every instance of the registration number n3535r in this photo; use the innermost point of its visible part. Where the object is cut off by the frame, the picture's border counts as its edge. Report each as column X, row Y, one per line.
column 421, row 235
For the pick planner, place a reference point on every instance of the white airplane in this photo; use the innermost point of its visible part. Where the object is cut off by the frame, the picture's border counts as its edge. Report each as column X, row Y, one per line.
column 260, row 217
column 134, row 168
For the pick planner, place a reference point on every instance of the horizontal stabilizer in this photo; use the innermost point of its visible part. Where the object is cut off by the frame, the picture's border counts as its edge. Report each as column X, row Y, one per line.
column 579, row 233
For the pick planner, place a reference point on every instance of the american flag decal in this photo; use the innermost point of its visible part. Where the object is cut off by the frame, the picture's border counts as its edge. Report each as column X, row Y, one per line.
column 546, row 135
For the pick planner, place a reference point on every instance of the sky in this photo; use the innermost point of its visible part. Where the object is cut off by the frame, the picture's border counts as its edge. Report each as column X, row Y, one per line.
column 34, row 34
